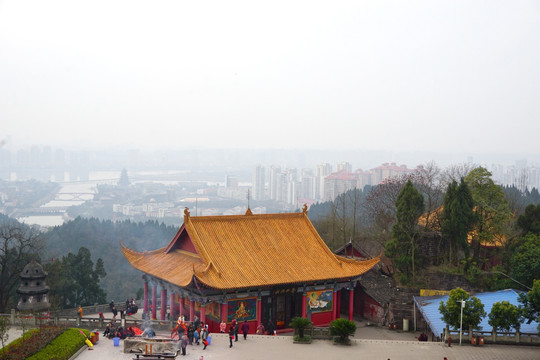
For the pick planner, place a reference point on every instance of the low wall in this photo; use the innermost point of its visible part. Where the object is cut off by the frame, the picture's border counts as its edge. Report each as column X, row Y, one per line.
column 498, row 337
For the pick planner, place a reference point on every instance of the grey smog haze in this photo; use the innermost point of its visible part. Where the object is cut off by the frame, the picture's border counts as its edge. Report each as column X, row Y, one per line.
column 448, row 76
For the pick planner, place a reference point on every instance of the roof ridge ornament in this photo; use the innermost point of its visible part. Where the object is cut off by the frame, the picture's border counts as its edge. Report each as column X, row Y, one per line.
column 186, row 214
column 248, row 211
column 304, row 209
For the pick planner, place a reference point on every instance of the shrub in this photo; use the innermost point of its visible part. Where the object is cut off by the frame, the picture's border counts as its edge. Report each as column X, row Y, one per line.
column 63, row 347
column 342, row 329
column 300, row 323
column 304, row 339
column 34, row 343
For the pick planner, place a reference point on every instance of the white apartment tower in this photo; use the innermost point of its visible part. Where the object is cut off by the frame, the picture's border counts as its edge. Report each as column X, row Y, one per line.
column 258, row 183
column 275, row 185
column 308, row 184
column 322, row 171
column 344, row 165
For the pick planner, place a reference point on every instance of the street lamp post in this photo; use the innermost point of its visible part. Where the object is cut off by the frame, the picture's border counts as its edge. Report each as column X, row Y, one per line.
column 461, row 320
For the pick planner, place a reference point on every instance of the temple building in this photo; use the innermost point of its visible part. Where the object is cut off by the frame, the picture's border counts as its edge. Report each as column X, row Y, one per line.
column 258, row 268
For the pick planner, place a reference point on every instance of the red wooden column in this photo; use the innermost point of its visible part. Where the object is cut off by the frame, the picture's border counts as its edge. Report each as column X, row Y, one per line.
column 191, row 310
column 145, row 301
column 351, row 303
column 181, row 307
column 224, row 312
column 163, row 303
column 304, row 305
column 172, row 306
column 203, row 313
column 258, row 311
column 338, row 310
column 334, row 308
column 154, row 300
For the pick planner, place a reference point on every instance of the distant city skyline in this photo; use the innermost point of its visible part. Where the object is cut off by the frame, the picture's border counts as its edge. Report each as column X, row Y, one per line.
column 433, row 77
column 38, row 156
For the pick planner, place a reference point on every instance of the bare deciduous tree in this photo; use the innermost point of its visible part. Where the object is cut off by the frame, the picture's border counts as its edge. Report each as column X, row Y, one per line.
column 19, row 244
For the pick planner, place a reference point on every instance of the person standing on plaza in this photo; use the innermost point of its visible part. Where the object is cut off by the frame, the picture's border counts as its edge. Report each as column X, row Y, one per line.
column 245, row 329
column 196, row 335
column 80, row 311
column 222, row 327
column 190, row 333
column 204, row 337
column 183, row 344
column 260, row 329
column 236, row 330
column 231, row 335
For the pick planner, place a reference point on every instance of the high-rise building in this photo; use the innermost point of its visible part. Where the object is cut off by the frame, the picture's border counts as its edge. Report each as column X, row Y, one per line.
column 274, row 182
column 308, row 184
column 322, row 171
column 258, row 183
column 344, row 165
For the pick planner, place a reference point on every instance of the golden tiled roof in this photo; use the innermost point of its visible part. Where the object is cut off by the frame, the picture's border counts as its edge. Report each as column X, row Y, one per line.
column 247, row 251
column 435, row 219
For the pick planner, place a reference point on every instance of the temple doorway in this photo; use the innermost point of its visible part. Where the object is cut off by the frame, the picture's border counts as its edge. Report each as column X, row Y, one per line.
column 280, row 309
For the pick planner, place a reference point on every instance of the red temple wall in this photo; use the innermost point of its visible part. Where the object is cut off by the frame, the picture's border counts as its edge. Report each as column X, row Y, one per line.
column 322, row 318
column 371, row 309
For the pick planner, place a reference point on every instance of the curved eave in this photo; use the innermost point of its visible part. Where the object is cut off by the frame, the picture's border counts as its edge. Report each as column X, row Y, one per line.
column 176, row 267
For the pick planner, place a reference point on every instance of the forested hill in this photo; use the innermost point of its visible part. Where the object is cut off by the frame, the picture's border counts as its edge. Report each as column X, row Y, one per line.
column 103, row 239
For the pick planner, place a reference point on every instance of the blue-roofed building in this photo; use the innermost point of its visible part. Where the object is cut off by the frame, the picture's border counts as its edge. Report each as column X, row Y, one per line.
column 429, row 308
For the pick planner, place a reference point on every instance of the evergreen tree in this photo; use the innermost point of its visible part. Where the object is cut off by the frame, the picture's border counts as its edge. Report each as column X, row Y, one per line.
column 448, row 226
column 75, row 280
column 529, row 222
column 458, row 218
column 401, row 249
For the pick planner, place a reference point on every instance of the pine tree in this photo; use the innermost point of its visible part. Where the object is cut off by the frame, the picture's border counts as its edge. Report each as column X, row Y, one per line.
column 410, row 205
column 447, row 224
column 458, row 218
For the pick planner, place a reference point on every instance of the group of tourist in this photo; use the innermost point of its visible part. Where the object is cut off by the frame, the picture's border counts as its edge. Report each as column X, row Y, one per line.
column 112, row 331
column 130, row 308
column 235, row 328
column 195, row 332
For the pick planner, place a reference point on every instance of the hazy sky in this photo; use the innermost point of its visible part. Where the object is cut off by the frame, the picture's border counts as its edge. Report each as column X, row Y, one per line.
column 391, row 75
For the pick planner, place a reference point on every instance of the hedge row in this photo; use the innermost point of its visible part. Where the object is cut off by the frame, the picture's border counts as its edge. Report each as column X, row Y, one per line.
column 63, row 347
column 45, row 343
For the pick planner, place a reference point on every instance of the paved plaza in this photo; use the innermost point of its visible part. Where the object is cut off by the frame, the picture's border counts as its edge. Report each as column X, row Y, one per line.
column 282, row 348
column 370, row 342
